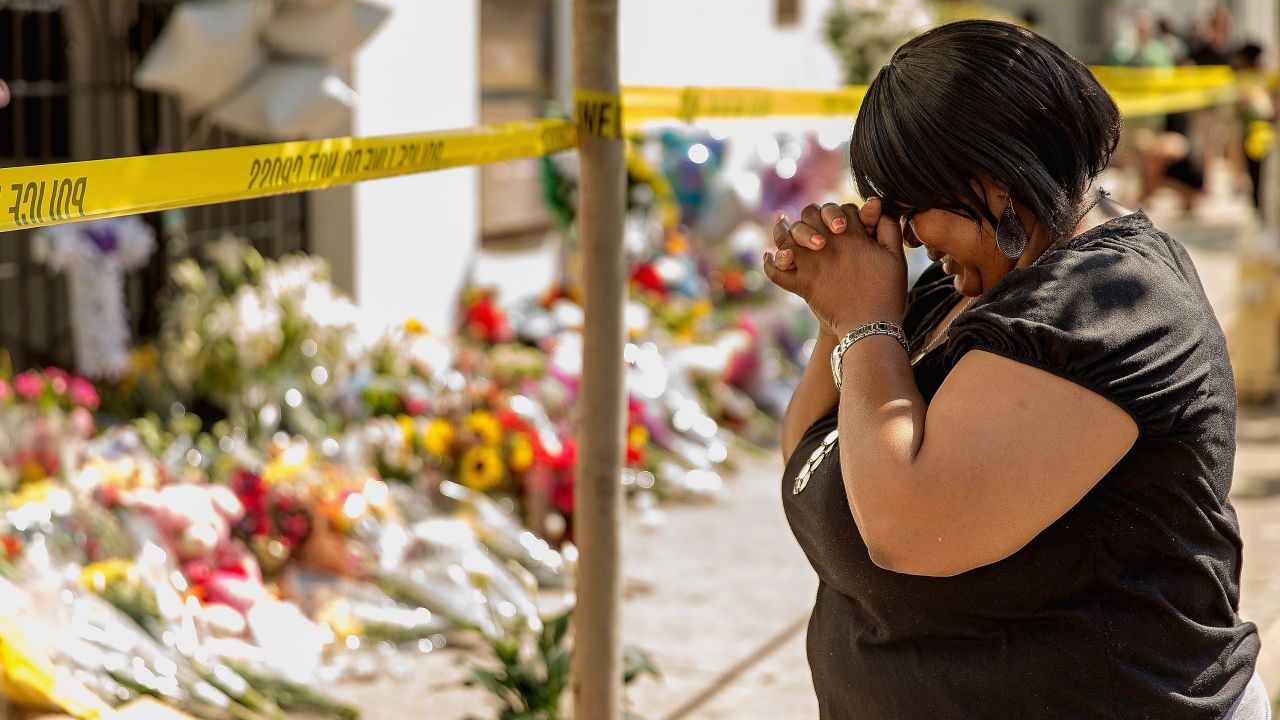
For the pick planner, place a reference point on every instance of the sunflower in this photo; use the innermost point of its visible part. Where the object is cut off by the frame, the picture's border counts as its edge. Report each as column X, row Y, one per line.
column 521, row 457
column 484, row 424
column 481, row 468
column 438, row 437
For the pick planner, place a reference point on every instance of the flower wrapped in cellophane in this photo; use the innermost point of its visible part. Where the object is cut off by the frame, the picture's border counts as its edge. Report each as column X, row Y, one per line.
column 29, row 678
column 104, row 649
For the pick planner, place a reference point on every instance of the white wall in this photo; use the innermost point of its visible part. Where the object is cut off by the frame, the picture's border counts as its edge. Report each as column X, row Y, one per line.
column 724, row 42
column 416, row 235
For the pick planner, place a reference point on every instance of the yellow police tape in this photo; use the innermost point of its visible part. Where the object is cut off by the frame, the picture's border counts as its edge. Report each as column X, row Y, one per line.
column 38, row 196
column 641, row 104
column 42, row 195
column 598, row 114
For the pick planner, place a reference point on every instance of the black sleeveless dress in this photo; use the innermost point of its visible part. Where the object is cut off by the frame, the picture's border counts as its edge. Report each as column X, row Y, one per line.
column 1126, row 607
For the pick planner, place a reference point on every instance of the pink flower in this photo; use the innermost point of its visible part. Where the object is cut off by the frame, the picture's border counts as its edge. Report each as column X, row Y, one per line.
column 28, row 386
column 83, row 394
column 58, row 380
column 82, row 423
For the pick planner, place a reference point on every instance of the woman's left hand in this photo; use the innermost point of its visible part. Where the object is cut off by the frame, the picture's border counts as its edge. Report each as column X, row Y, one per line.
column 850, row 279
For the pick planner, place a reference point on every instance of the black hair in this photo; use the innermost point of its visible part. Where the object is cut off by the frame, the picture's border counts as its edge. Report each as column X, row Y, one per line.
column 983, row 99
column 1249, row 56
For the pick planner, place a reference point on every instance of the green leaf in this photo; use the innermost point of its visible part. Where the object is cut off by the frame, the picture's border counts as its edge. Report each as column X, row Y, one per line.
column 636, row 663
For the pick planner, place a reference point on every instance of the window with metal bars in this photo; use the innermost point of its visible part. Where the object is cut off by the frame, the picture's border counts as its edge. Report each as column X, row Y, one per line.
column 69, row 68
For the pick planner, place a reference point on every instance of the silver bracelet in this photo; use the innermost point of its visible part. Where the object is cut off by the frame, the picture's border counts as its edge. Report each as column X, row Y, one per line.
column 872, row 328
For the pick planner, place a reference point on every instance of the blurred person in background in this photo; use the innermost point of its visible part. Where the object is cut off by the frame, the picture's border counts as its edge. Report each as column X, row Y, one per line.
column 1145, row 48
column 1013, row 479
column 1212, row 42
column 1256, row 113
column 1165, row 156
column 1177, row 157
column 1172, row 39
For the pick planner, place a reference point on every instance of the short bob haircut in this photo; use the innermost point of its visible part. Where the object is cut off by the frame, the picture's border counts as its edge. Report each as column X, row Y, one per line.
column 983, row 99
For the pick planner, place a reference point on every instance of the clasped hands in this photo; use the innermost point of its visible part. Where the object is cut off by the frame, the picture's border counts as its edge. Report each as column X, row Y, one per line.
column 847, row 263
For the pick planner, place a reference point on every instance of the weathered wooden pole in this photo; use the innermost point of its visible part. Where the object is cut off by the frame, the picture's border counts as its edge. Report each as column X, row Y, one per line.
column 597, row 662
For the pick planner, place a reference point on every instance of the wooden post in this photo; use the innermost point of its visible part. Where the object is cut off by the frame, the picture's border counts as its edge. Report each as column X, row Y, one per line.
column 597, row 659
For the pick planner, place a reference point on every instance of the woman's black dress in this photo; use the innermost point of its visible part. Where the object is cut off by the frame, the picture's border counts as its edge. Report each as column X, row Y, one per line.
column 1126, row 607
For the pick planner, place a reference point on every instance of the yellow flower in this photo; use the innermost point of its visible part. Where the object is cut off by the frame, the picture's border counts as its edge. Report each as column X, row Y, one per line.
column 32, row 473
column 407, row 429
column 33, row 492
column 484, row 424
column 638, row 437
column 521, row 453
column 481, row 469
column 414, row 326
column 438, row 437
column 288, row 466
column 341, row 620
column 97, row 576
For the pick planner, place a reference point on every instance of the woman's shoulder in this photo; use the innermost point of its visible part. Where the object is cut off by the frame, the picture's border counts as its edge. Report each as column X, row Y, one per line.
column 1119, row 310
column 1124, row 276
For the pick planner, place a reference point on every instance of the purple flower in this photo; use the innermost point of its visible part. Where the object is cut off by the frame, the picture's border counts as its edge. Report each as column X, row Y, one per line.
column 104, row 236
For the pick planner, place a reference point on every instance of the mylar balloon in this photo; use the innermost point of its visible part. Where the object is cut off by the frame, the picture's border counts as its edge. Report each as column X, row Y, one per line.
column 206, row 51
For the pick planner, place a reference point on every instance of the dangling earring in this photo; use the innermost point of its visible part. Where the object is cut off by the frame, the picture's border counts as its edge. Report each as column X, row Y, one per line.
column 1011, row 237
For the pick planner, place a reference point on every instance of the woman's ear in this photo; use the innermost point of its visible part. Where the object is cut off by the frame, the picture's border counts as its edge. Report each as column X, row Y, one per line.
column 996, row 196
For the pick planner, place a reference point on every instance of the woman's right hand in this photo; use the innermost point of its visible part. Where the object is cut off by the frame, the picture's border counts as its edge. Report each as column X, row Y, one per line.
column 836, row 218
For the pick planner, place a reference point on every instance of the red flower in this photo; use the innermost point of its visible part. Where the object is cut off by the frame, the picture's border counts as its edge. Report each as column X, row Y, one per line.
column 486, row 321
column 197, row 572
column 12, row 545
column 249, row 488
column 646, row 277
column 567, row 458
column 562, row 495
column 635, row 456
column 636, row 410
column 415, row 405
column 511, row 421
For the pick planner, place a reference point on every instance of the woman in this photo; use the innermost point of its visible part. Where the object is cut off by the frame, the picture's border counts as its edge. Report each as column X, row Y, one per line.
column 1014, row 487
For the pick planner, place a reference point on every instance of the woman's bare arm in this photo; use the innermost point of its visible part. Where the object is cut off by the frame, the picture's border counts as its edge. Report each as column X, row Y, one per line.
column 814, row 397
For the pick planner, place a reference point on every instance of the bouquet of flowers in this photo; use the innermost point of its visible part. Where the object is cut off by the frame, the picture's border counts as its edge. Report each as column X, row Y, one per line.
column 45, row 417
column 263, row 343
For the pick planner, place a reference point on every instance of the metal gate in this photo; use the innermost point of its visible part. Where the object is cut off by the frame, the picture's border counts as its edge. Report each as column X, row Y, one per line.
column 68, row 66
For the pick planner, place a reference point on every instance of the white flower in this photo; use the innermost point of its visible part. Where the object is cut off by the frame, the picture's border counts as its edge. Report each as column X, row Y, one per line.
column 227, row 255
column 256, row 329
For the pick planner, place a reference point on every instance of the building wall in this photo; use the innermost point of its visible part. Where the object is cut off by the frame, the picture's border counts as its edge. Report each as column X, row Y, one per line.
column 402, row 246
column 724, row 42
